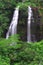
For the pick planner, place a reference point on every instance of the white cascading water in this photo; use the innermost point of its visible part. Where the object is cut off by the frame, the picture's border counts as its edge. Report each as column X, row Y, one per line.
column 29, row 24
column 13, row 26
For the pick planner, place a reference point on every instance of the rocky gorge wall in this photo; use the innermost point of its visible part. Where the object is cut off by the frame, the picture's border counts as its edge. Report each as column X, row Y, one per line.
column 35, row 26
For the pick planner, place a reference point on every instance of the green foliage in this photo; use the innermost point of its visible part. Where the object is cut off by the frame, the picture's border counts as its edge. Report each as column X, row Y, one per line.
column 4, row 60
column 26, row 4
column 20, row 53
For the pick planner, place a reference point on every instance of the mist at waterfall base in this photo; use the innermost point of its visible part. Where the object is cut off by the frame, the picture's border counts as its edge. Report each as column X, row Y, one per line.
column 13, row 26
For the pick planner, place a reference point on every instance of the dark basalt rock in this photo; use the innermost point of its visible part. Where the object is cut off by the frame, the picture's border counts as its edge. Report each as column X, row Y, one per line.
column 22, row 24
column 35, row 26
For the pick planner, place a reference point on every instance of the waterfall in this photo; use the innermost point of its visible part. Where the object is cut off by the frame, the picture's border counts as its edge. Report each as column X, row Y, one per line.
column 29, row 24
column 13, row 26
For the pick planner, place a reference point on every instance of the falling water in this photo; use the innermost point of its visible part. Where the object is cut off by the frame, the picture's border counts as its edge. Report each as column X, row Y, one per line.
column 13, row 26
column 29, row 24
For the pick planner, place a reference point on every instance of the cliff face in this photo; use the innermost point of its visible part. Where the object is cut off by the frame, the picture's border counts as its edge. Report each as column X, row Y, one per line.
column 22, row 24
column 35, row 26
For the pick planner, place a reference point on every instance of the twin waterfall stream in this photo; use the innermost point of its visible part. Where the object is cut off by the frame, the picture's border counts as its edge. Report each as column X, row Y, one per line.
column 13, row 26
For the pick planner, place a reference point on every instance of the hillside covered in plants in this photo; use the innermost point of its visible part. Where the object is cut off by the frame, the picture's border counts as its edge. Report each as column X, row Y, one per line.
column 15, row 50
